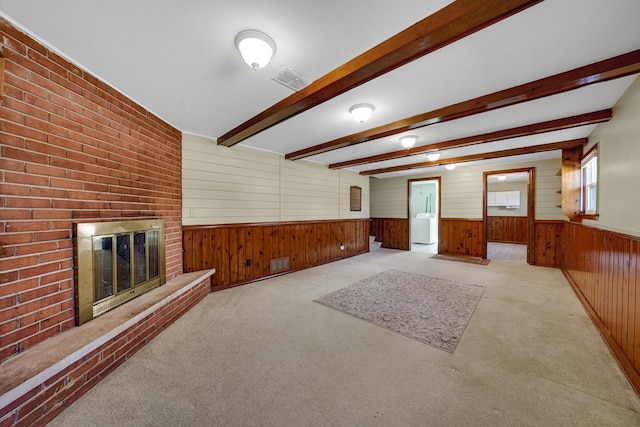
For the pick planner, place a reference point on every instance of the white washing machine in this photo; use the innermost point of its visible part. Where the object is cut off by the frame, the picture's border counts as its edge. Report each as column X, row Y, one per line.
column 424, row 228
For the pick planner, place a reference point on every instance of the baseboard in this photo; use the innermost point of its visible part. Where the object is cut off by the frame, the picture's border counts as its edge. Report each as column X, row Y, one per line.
column 627, row 368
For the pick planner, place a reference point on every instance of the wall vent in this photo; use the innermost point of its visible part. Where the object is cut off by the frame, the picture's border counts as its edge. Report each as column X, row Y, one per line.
column 291, row 79
column 279, row 264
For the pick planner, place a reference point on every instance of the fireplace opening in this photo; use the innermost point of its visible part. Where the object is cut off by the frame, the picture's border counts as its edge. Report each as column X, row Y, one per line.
column 116, row 262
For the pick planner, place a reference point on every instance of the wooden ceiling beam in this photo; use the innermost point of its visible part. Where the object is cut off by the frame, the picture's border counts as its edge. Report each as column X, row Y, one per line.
column 484, row 156
column 609, row 69
column 451, row 23
column 532, row 129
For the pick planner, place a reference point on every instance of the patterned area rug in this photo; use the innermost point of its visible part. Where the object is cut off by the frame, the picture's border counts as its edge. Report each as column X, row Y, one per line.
column 468, row 260
column 431, row 310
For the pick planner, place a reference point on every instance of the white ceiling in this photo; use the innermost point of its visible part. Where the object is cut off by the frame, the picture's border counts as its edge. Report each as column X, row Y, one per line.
column 178, row 59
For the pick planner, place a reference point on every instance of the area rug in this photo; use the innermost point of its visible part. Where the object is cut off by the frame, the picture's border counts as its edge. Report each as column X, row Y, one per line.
column 428, row 309
column 468, row 260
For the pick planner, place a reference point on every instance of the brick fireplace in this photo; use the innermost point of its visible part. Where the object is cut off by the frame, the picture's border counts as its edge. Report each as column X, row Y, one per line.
column 72, row 150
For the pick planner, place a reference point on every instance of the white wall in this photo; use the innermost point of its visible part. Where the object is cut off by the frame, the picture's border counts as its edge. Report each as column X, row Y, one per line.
column 462, row 191
column 223, row 185
column 619, row 165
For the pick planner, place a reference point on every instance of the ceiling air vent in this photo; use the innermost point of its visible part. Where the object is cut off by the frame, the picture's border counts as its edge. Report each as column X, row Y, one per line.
column 291, row 79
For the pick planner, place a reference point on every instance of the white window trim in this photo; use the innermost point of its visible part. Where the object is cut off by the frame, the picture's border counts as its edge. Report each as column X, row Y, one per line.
column 591, row 155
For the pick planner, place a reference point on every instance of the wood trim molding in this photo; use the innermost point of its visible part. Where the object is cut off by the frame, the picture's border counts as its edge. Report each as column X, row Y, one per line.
column 614, row 232
column 462, row 219
column 609, row 69
column 387, row 218
column 272, row 223
column 438, row 180
column 451, row 23
column 533, row 129
column 571, row 182
column 573, row 143
column 531, row 208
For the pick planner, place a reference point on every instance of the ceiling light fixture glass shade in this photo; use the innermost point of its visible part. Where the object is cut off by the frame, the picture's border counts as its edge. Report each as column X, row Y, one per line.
column 433, row 156
column 361, row 112
column 256, row 48
column 408, row 141
column 450, row 166
column 502, row 177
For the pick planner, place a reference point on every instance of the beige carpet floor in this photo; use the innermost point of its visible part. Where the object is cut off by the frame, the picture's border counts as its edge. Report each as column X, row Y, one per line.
column 507, row 252
column 265, row 354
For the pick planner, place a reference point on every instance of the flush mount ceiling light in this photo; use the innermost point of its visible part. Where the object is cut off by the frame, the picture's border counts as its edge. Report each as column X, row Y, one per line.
column 408, row 141
column 502, row 177
column 361, row 112
column 433, row 156
column 256, row 48
column 450, row 166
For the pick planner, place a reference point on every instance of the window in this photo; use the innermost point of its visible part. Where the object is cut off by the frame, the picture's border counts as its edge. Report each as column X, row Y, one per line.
column 589, row 176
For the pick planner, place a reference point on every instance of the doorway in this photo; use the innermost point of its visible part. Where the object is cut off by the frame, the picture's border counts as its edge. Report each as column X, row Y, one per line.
column 508, row 215
column 424, row 214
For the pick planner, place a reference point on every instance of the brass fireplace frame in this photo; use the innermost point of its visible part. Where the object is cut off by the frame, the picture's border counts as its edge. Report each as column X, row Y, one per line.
column 86, row 233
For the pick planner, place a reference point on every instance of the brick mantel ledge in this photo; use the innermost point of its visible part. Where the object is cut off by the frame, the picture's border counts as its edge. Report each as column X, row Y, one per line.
column 127, row 328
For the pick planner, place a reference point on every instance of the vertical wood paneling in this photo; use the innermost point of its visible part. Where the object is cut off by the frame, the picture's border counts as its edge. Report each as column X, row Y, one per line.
column 228, row 247
column 461, row 236
column 507, row 229
column 548, row 246
column 633, row 350
column 377, row 228
column 625, row 251
column 603, row 267
column 571, row 182
column 392, row 232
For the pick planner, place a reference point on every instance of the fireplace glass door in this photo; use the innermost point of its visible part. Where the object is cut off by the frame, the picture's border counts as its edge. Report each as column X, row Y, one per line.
column 124, row 264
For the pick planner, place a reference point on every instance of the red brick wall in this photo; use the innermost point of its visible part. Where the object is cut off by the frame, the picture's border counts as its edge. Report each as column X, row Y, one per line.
column 72, row 149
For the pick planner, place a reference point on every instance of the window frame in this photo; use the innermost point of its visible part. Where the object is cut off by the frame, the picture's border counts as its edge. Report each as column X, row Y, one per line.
column 589, row 157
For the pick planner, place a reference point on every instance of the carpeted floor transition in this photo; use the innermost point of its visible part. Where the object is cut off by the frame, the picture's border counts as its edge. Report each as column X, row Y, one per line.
column 468, row 260
column 432, row 310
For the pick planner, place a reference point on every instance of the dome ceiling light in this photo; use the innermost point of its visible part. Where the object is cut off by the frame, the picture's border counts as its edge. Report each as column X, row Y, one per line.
column 256, row 48
column 362, row 112
column 450, row 166
column 408, row 141
column 433, row 156
column 502, row 177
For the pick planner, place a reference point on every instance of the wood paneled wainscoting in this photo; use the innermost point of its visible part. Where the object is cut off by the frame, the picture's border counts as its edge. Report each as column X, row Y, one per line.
column 604, row 269
column 549, row 241
column 241, row 253
column 462, row 236
column 392, row 232
column 507, row 229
